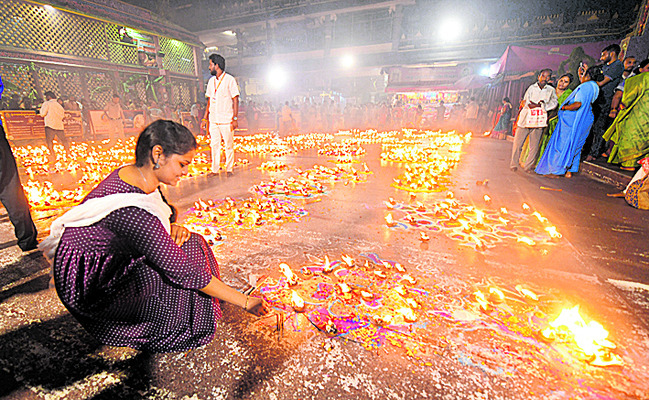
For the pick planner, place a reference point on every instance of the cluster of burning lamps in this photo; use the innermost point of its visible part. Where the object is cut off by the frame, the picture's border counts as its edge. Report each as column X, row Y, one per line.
column 450, row 208
column 569, row 327
column 341, row 150
column 266, row 143
column 243, row 212
column 290, row 186
column 322, row 173
column 299, row 306
column 273, row 166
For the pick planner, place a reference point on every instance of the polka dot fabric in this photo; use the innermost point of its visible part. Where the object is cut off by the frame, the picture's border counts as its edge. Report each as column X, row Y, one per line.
column 127, row 282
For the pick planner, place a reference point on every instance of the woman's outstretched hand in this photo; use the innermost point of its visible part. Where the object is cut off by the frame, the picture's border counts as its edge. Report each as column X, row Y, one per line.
column 257, row 306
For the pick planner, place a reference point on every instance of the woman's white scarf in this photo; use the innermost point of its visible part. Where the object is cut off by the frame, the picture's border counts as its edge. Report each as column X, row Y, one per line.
column 94, row 210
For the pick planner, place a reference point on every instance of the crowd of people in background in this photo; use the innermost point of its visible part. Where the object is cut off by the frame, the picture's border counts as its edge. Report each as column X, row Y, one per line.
column 605, row 117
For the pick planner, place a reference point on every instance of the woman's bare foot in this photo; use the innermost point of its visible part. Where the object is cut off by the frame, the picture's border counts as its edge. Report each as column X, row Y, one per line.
column 568, row 174
column 619, row 194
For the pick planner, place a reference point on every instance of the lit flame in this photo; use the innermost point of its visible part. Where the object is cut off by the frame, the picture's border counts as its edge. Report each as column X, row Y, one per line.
column 297, row 302
column 344, row 287
column 503, row 220
column 526, row 293
column 591, row 338
column 290, row 276
column 487, row 199
column 389, row 221
column 526, row 240
column 539, row 216
column 504, row 211
column 367, row 295
column 525, row 207
column 552, row 231
column 408, row 314
column 400, row 289
column 348, row 260
column 482, row 301
column 478, row 243
column 327, row 267
column 479, row 217
column 423, row 237
column 496, row 295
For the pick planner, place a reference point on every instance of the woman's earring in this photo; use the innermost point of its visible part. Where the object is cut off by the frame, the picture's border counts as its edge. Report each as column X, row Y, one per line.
column 157, row 164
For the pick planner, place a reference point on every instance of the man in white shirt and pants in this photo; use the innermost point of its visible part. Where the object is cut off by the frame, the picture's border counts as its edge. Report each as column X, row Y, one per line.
column 539, row 99
column 53, row 113
column 221, row 112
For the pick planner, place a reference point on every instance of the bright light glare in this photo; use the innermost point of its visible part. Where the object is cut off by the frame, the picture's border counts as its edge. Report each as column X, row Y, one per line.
column 485, row 71
column 347, row 61
column 277, row 77
column 49, row 8
column 450, row 29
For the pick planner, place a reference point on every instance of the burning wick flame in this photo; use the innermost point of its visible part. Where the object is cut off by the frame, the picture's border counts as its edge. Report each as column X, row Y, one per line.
column 482, row 301
column 526, row 293
column 297, row 302
column 539, row 217
column 344, row 287
column 389, row 221
column 496, row 295
column 291, row 278
column 327, row 267
column 423, row 237
column 348, row 260
column 525, row 207
column 526, row 240
column 591, row 338
column 487, row 199
column 552, row 231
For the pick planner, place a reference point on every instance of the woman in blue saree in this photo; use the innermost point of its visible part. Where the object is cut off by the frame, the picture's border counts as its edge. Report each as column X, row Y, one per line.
column 563, row 152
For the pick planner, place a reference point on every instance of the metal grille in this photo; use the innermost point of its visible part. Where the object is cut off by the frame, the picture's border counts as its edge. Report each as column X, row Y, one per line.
column 178, row 56
column 41, row 28
column 181, row 92
column 123, row 53
column 100, row 88
column 17, row 79
column 70, row 84
column 48, row 81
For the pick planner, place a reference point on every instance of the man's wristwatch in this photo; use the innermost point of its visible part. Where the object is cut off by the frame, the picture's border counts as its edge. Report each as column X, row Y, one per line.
column 234, row 118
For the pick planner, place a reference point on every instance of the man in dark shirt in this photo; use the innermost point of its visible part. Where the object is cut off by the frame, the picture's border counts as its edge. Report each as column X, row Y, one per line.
column 612, row 69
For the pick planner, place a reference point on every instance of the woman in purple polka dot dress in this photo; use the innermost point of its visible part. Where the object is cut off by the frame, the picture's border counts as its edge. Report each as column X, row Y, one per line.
column 127, row 275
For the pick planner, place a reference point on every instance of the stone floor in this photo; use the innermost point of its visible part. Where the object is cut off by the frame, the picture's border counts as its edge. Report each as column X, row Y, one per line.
column 601, row 264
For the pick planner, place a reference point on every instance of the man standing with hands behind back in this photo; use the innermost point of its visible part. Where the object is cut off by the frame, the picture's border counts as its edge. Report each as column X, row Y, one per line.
column 221, row 113
column 539, row 99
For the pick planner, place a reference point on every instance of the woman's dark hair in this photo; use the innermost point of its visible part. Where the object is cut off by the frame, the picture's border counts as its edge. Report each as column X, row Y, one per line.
column 595, row 73
column 506, row 99
column 171, row 136
column 570, row 77
column 643, row 63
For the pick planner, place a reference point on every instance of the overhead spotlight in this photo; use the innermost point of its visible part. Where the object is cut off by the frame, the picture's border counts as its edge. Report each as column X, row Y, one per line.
column 347, row 61
column 277, row 77
column 450, row 29
column 485, row 71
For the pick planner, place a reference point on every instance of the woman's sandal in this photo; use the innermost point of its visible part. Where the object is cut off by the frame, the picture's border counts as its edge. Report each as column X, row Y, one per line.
column 627, row 168
column 618, row 194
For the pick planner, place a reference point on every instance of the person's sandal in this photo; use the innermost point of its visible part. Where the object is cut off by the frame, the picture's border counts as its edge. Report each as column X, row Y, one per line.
column 619, row 194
